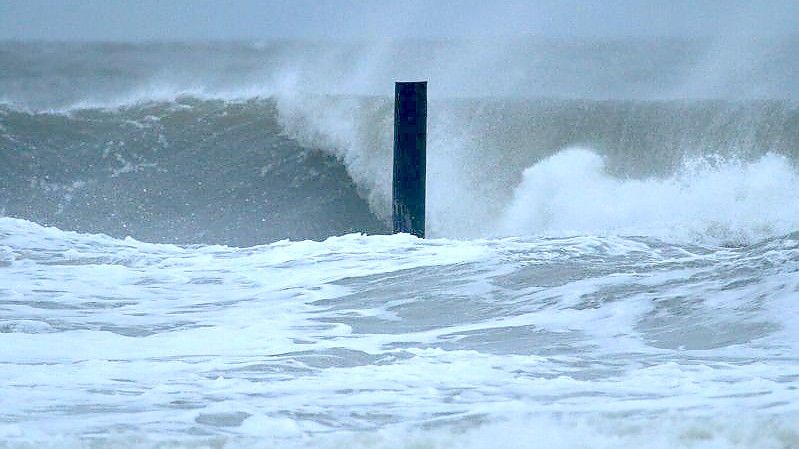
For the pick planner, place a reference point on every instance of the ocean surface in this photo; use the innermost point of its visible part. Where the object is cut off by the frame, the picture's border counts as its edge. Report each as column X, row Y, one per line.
column 195, row 249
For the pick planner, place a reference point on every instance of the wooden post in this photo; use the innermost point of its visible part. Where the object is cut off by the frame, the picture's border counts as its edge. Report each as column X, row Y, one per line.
column 410, row 145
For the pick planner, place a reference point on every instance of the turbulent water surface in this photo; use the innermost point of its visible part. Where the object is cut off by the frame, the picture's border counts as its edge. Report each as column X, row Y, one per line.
column 193, row 248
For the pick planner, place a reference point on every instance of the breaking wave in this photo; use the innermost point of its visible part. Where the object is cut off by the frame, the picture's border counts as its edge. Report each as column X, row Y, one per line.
column 294, row 141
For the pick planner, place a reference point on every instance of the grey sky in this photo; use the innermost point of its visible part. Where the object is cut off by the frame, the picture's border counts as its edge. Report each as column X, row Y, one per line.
column 253, row 20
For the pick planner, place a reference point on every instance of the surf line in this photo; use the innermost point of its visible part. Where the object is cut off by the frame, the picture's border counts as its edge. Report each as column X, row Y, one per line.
column 410, row 158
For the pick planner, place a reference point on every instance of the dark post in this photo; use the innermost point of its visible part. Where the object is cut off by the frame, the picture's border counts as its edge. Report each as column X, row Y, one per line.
column 410, row 142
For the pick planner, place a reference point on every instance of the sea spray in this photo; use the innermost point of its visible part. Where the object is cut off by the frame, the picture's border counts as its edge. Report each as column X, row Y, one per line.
column 724, row 201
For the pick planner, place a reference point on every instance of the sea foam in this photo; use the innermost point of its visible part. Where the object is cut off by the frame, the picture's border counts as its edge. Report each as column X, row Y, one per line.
column 710, row 200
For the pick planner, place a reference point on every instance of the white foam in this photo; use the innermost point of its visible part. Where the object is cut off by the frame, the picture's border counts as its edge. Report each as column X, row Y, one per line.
column 707, row 201
column 310, row 341
column 669, row 431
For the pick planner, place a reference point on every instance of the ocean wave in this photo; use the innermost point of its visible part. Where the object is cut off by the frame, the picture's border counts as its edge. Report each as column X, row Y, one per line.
column 728, row 202
column 241, row 144
column 194, row 169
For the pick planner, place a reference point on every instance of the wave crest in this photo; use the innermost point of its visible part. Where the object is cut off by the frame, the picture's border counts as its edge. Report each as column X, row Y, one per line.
column 721, row 200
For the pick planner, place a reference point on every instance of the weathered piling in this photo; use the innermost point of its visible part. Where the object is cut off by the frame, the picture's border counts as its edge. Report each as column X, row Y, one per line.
column 410, row 146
